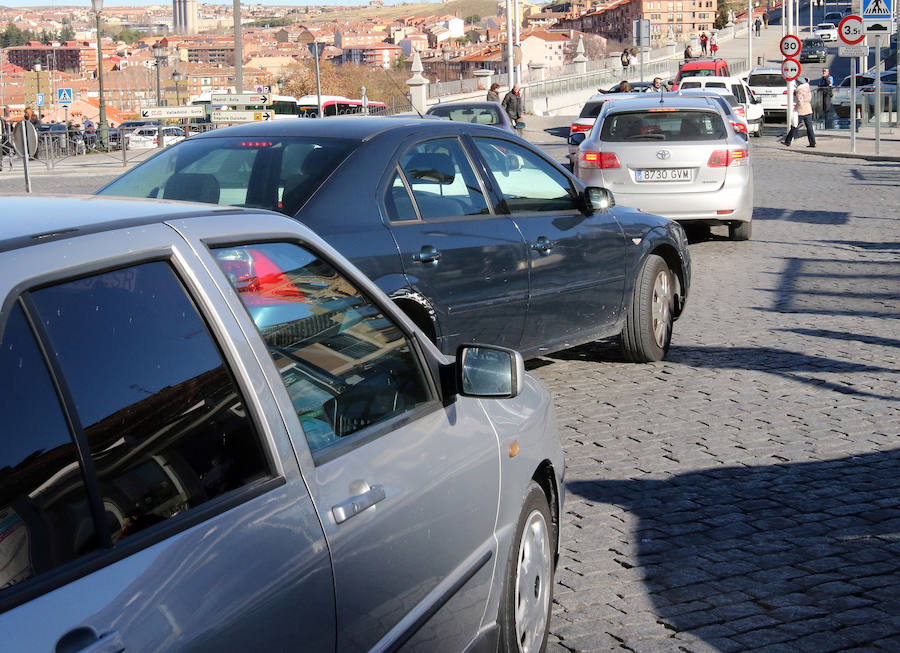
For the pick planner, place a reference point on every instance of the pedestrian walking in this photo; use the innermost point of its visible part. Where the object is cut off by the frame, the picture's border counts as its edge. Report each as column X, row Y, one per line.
column 626, row 60
column 766, row 20
column 704, row 41
column 512, row 104
column 493, row 95
column 758, row 25
column 803, row 109
column 713, row 43
column 826, row 88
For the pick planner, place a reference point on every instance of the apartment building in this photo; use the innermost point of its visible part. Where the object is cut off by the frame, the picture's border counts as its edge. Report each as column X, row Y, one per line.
column 681, row 19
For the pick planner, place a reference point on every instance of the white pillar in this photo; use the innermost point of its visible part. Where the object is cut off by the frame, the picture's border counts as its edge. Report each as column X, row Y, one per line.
column 418, row 85
column 484, row 78
column 580, row 60
column 536, row 71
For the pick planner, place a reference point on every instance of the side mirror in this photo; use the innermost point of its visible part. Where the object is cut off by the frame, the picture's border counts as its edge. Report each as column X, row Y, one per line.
column 489, row 372
column 598, row 199
column 577, row 138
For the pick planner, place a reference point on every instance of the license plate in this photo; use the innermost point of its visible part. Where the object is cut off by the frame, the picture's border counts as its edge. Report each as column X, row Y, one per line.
column 663, row 174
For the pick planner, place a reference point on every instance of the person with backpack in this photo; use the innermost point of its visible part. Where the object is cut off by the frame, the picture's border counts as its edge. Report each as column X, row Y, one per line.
column 626, row 60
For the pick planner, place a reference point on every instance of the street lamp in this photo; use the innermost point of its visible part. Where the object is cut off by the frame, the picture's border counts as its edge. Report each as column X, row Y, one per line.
column 158, row 55
column 37, row 76
column 103, row 127
column 176, row 77
column 445, row 51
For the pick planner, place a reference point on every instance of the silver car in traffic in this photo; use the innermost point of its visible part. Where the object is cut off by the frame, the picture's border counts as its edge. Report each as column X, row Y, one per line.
column 220, row 436
column 673, row 155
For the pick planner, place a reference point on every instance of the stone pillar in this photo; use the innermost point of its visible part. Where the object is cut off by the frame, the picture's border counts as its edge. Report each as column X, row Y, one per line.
column 580, row 60
column 536, row 71
column 418, row 85
column 484, row 77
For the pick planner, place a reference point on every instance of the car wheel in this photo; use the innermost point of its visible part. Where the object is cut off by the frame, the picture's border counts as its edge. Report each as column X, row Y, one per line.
column 525, row 606
column 740, row 230
column 648, row 323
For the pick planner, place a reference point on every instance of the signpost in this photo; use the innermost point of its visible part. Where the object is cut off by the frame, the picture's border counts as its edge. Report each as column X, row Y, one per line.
column 241, row 116
column 64, row 96
column 163, row 113
column 39, row 99
column 877, row 16
column 852, row 32
column 641, row 39
column 790, row 69
column 790, row 46
column 24, row 137
column 241, row 99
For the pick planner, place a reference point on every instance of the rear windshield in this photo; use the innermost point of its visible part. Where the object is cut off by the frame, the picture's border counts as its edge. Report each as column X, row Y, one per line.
column 591, row 109
column 766, row 79
column 813, row 43
column 663, row 125
column 278, row 174
column 479, row 115
column 706, row 72
column 860, row 79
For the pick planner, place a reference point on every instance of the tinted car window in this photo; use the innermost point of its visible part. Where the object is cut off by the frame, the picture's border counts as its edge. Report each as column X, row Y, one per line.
column 479, row 115
column 277, row 174
column 442, row 180
column 766, row 79
column 44, row 516
column 678, row 125
column 591, row 109
column 526, row 180
column 345, row 364
column 165, row 424
column 399, row 203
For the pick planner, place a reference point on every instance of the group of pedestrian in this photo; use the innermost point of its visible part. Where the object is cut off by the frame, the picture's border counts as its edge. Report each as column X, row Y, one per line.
column 708, row 44
column 512, row 104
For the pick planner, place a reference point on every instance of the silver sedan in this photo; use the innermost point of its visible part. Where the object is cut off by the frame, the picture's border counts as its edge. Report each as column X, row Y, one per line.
column 672, row 155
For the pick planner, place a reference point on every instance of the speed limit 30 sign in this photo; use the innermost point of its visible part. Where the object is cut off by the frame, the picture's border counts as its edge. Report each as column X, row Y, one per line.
column 790, row 46
column 851, row 30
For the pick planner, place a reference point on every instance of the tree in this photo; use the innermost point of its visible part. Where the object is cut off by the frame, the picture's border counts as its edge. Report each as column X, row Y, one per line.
column 721, row 16
column 474, row 19
column 129, row 36
column 13, row 36
column 66, row 33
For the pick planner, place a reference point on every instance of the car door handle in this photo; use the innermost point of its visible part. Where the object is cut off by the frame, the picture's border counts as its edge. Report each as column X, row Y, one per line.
column 542, row 245
column 355, row 505
column 86, row 640
column 427, row 254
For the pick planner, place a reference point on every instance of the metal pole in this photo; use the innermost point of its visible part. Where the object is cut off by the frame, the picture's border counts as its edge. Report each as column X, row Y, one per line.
column 238, row 49
column 518, row 43
column 749, row 34
column 789, row 113
column 878, row 43
column 509, row 45
column 897, row 86
column 103, row 127
column 853, row 104
column 25, row 158
column 318, row 82
column 783, row 19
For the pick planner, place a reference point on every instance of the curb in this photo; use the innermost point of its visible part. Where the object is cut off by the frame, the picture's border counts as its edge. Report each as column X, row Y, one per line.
column 836, row 155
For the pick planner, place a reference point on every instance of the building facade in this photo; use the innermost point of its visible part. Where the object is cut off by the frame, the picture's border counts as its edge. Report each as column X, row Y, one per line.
column 184, row 16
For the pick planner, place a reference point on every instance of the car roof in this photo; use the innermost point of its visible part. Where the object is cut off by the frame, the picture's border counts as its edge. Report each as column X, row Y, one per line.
column 36, row 219
column 348, row 127
column 706, row 78
column 668, row 100
column 481, row 104
column 764, row 71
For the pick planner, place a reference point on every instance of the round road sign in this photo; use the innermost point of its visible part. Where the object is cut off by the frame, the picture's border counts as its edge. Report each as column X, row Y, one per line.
column 790, row 69
column 790, row 46
column 851, row 30
column 24, row 133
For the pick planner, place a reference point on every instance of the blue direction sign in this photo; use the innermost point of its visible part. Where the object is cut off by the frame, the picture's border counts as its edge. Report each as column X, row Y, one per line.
column 64, row 96
column 39, row 99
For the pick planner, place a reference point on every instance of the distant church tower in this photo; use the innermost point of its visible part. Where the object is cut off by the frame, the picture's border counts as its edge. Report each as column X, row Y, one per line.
column 184, row 16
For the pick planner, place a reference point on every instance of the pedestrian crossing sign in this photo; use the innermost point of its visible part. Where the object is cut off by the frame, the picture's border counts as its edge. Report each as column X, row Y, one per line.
column 64, row 96
column 876, row 9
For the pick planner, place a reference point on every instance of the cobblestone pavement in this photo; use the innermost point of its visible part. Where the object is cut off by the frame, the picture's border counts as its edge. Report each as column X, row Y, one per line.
column 745, row 494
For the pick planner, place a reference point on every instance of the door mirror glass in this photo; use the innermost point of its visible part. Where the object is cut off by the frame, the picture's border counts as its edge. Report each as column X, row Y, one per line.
column 489, row 372
column 577, row 138
column 598, row 199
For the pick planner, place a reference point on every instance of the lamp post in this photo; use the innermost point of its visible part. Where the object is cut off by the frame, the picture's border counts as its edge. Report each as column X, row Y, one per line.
column 176, row 77
column 157, row 55
column 37, row 76
column 445, row 51
column 103, row 127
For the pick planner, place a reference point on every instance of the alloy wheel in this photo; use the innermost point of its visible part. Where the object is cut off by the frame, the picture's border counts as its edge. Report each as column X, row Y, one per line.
column 662, row 307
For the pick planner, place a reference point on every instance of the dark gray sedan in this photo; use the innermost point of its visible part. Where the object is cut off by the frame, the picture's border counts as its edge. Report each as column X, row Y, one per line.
column 475, row 233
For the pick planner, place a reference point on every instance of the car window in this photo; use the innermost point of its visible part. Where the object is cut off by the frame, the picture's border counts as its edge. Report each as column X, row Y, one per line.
column 665, row 125
column 689, row 85
column 163, row 419
column 478, row 115
column 442, row 180
column 45, row 519
column 527, row 181
column 591, row 109
column 399, row 203
column 277, row 174
column 766, row 79
column 344, row 363
column 737, row 90
column 712, row 84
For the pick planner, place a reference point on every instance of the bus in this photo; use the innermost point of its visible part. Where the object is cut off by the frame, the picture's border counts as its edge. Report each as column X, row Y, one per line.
column 287, row 106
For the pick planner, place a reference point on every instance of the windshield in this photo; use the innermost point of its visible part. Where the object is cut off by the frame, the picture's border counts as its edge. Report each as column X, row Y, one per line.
column 813, row 43
column 663, row 125
column 591, row 109
column 277, row 174
column 766, row 79
column 479, row 115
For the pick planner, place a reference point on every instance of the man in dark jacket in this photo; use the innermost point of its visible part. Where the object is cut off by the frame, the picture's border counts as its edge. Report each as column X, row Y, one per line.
column 512, row 104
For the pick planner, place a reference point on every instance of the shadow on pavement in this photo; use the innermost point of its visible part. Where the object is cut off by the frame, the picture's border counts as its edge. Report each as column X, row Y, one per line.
column 744, row 557
column 808, row 217
column 561, row 132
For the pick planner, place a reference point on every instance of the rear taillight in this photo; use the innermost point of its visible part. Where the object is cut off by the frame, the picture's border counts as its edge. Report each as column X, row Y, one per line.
column 601, row 160
column 579, row 128
column 725, row 158
column 740, row 111
column 738, row 126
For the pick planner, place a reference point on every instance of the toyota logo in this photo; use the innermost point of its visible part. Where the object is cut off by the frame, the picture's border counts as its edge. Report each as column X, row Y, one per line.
column 663, row 154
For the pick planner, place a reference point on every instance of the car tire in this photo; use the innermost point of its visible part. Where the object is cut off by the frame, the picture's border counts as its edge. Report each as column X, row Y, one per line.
column 648, row 322
column 740, row 230
column 525, row 606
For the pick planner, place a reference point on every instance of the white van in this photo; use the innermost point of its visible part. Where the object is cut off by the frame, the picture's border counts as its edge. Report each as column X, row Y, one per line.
column 769, row 86
column 751, row 105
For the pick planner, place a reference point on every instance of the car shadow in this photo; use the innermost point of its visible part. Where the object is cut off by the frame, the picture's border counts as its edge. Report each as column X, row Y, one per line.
column 804, row 554
column 560, row 132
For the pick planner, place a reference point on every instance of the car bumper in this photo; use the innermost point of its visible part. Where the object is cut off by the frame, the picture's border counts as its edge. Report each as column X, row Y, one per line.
column 732, row 202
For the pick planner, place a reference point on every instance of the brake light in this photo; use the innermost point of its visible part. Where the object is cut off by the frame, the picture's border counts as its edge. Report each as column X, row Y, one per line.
column 664, row 110
column 256, row 143
column 579, row 128
column 740, row 111
column 738, row 126
column 725, row 158
column 602, row 160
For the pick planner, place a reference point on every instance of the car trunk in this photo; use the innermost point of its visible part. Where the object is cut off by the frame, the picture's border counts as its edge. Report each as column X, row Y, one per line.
column 664, row 167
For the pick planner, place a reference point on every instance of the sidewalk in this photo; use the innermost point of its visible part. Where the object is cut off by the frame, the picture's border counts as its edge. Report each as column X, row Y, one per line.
column 86, row 164
column 836, row 143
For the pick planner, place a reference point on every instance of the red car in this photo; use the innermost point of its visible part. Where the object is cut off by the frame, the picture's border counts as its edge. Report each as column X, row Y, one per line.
column 701, row 68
